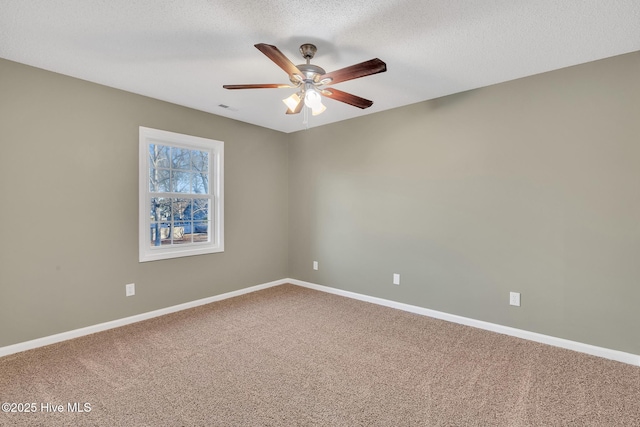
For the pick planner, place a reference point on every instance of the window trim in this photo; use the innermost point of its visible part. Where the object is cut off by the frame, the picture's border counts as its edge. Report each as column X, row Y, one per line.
column 216, row 194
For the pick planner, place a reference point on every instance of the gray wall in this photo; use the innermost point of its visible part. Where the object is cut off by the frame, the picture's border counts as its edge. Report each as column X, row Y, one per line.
column 529, row 186
column 69, row 212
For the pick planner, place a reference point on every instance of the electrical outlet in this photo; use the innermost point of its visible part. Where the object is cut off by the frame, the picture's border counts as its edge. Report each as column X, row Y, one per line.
column 514, row 298
column 396, row 279
column 130, row 289
column 315, row 265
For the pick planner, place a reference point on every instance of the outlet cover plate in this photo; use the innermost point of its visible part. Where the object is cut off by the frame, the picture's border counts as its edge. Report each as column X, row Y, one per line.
column 130, row 289
column 396, row 279
column 514, row 298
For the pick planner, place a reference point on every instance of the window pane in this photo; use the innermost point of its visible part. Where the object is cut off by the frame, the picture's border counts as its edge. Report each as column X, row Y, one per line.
column 162, row 238
column 159, row 156
column 200, row 161
column 179, row 208
column 159, row 180
column 180, row 158
column 160, row 209
column 179, row 235
column 180, row 182
column 200, row 209
column 201, row 231
column 200, row 183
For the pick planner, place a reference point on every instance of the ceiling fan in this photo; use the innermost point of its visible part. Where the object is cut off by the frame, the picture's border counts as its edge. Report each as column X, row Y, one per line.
column 312, row 80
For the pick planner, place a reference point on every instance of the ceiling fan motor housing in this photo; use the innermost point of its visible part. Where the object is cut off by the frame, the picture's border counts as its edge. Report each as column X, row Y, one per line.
column 309, row 72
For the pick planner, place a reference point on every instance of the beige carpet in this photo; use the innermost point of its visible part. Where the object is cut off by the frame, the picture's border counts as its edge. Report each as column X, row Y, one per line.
column 290, row 356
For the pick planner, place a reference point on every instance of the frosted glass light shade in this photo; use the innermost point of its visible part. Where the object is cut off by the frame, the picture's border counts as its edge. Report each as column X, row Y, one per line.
column 319, row 110
column 292, row 102
column 312, row 98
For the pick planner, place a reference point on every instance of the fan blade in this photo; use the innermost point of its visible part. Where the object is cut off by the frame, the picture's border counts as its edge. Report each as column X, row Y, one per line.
column 258, row 86
column 347, row 98
column 278, row 57
column 298, row 108
column 367, row 68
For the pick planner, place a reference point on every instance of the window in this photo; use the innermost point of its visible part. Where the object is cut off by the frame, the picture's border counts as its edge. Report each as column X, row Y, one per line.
column 181, row 195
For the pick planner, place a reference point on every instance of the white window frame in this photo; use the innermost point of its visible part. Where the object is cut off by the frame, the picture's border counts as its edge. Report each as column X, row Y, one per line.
column 216, row 194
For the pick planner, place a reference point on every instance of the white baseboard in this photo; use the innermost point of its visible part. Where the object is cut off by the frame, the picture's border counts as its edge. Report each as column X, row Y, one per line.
column 76, row 333
column 620, row 356
column 632, row 359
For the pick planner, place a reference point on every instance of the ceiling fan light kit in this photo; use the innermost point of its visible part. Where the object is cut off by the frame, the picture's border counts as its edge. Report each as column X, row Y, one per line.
column 309, row 79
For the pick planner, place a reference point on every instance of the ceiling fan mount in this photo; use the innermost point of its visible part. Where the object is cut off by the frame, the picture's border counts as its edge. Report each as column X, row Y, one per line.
column 310, row 79
column 308, row 51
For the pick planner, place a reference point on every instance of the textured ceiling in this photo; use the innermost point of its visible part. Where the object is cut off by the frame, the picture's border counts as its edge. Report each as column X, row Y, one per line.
column 184, row 51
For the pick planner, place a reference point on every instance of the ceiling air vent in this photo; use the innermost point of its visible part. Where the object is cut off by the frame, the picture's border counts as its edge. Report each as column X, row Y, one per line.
column 226, row 107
